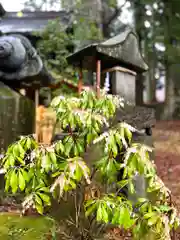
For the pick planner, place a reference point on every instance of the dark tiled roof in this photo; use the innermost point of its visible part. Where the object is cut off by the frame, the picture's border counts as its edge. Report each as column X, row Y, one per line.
column 27, row 22
column 121, row 50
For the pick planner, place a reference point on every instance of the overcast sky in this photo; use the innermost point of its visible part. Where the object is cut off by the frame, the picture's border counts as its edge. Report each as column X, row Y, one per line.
column 17, row 5
column 12, row 5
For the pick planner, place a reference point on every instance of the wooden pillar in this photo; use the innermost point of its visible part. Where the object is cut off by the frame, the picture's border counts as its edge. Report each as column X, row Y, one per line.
column 36, row 116
column 98, row 77
column 30, row 93
column 80, row 80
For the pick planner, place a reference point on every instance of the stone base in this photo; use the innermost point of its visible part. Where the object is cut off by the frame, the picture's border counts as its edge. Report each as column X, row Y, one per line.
column 17, row 116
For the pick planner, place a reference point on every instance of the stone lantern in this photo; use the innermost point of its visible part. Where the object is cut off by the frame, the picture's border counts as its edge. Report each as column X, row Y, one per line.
column 120, row 59
column 118, row 63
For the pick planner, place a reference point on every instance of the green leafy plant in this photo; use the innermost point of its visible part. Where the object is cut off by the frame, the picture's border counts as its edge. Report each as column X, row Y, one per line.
column 97, row 164
column 56, row 42
column 54, row 46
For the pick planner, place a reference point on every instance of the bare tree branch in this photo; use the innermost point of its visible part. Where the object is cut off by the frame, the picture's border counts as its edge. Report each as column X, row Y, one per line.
column 116, row 13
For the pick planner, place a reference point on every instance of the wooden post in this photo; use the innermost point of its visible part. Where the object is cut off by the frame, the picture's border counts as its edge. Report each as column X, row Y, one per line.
column 98, row 77
column 80, row 81
column 36, row 116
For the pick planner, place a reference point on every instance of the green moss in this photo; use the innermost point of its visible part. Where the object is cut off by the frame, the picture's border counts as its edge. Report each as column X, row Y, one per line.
column 14, row 227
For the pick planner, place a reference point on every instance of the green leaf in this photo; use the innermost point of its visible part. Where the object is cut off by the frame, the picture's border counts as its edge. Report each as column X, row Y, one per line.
column 21, row 181
column 90, row 209
column 128, row 134
column 159, row 226
column 44, row 197
column 20, row 160
column 116, row 217
column 141, row 200
column 53, row 157
column 14, row 181
column 121, row 132
column 149, row 215
column 153, row 189
column 11, row 161
column 38, row 200
column 46, row 162
column 39, row 208
column 16, row 151
column 153, row 220
column 164, row 208
column 78, row 173
column 96, row 127
column 89, row 138
column 72, row 184
column 7, row 182
column 62, row 166
column 44, row 189
column 99, row 213
column 133, row 161
column 76, row 151
column 21, row 150
column 68, row 147
column 28, row 143
column 140, row 165
column 10, row 149
column 122, row 183
column 121, row 216
column 118, row 139
column 25, row 175
column 60, row 147
column 85, row 170
column 126, row 221
column 105, row 217
column 114, row 150
column 80, row 147
column 125, row 172
column 131, row 187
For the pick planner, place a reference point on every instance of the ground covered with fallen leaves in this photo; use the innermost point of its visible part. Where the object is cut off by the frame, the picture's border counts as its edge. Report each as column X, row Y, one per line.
column 167, row 155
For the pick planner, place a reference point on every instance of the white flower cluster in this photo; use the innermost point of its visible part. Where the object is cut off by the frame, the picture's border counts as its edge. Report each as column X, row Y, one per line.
column 101, row 137
column 117, row 100
column 84, row 115
column 28, row 203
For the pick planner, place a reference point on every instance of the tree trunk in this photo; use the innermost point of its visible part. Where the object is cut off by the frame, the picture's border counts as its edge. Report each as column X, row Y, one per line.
column 170, row 100
column 139, row 25
column 152, row 80
column 169, row 104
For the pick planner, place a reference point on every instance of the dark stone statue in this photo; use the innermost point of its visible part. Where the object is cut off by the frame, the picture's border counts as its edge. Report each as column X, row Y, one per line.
column 18, row 58
column 19, row 64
